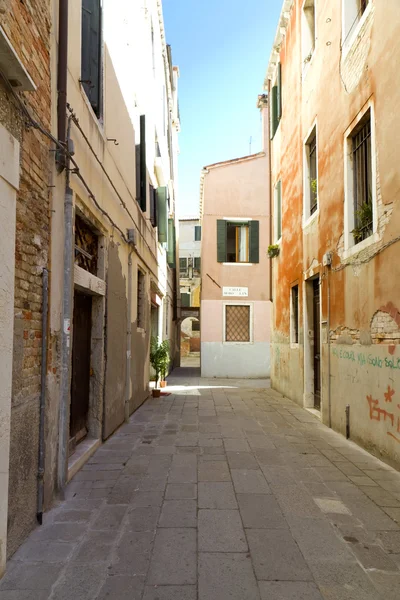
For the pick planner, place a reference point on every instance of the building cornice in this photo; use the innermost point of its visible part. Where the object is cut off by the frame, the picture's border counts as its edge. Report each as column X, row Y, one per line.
column 279, row 36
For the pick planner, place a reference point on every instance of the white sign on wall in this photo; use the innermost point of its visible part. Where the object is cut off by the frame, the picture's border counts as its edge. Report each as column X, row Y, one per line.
column 235, row 291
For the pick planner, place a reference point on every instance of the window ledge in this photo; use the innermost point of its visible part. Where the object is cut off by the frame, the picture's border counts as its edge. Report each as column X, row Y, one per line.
column 98, row 121
column 372, row 239
column 238, row 343
column 349, row 43
column 238, row 264
column 306, row 223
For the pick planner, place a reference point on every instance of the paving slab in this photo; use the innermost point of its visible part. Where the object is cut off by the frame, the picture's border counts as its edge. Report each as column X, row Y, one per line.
column 174, row 558
column 221, row 531
column 226, row 576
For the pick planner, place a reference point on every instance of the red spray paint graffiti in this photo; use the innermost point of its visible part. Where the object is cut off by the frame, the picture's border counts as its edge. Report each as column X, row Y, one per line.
column 377, row 414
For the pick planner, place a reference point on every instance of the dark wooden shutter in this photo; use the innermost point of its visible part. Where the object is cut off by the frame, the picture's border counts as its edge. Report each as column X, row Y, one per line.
column 171, row 252
column 278, row 208
column 185, row 299
column 197, row 233
column 221, row 240
column 143, row 169
column 153, row 206
column 279, row 93
column 91, row 52
column 162, row 214
column 197, row 263
column 274, row 110
column 254, row 242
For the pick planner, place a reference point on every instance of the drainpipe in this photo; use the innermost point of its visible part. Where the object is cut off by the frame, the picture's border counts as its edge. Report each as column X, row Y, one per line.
column 62, row 73
column 128, row 338
column 40, row 476
column 271, row 262
column 68, row 302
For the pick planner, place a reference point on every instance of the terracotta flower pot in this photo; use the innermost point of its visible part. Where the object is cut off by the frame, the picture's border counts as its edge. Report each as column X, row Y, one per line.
column 156, row 393
column 163, row 384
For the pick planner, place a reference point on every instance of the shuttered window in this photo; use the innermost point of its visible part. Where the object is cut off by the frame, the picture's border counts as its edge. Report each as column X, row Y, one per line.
column 171, row 251
column 185, row 299
column 237, row 242
column 275, row 105
column 91, row 52
column 142, row 169
column 197, row 263
column 153, row 206
column 162, row 214
column 278, row 211
column 197, row 233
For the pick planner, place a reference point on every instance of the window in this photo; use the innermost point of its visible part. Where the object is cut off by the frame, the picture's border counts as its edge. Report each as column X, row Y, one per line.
column 361, row 160
column 237, row 323
column 308, row 30
column 183, row 266
column 278, row 211
column 195, row 326
column 185, row 299
column 197, row 233
column 294, row 313
column 91, row 52
column 141, row 298
column 237, row 241
column 166, row 304
column 197, row 263
column 171, row 248
column 153, row 206
column 275, row 105
column 310, row 175
column 141, row 169
column 162, row 214
column 353, row 10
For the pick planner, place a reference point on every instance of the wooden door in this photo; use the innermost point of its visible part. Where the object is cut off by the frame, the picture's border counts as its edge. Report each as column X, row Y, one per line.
column 80, row 385
column 317, row 345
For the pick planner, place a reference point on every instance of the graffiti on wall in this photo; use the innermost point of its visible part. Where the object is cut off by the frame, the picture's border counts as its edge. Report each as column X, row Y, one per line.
column 378, row 413
column 363, row 359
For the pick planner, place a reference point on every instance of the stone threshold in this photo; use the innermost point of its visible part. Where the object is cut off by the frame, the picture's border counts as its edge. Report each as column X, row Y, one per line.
column 83, row 452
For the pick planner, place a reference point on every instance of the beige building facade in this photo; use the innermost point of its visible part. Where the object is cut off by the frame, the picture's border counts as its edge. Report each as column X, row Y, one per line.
column 235, row 286
column 88, row 197
column 335, row 197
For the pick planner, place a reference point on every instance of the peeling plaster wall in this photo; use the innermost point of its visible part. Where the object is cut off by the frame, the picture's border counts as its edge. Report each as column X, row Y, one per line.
column 332, row 90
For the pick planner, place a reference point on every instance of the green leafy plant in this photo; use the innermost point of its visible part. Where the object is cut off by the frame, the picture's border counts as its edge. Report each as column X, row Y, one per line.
column 314, row 186
column 159, row 358
column 364, row 219
column 273, row 250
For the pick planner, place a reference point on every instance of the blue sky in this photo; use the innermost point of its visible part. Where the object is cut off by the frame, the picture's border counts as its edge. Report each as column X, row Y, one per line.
column 222, row 49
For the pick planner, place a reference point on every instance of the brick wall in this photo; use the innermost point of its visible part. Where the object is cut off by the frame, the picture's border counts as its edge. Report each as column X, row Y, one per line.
column 27, row 25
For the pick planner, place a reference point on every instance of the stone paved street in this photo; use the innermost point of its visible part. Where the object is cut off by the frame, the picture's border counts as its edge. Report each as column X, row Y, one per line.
column 217, row 493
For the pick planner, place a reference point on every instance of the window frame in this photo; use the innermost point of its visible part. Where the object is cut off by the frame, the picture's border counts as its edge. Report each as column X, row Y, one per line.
column 352, row 25
column 294, row 327
column 352, row 247
column 185, row 270
column 237, row 225
column 197, row 233
column 277, row 239
column 309, row 216
column 307, row 55
column 251, row 323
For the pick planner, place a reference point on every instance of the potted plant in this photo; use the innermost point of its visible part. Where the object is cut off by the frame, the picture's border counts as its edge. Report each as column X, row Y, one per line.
column 165, row 361
column 273, row 250
column 159, row 359
column 364, row 219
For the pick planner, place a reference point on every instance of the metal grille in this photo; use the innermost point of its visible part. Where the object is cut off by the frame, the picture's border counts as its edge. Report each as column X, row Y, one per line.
column 237, row 323
column 362, row 170
column 313, row 173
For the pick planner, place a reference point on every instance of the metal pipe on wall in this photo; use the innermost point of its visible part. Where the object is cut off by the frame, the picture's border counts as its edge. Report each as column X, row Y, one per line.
column 62, row 73
column 329, row 350
column 42, row 404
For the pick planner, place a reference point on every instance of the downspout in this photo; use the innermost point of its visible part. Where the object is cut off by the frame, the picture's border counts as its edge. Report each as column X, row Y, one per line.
column 329, row 350
column 42, row 405
column 271, row 262
column 128, row 338
column 62, row 74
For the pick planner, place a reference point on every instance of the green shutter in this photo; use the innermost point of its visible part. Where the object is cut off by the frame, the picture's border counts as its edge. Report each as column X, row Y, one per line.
column 197, row 262
column 185, row 299
column 279, row 93
column 221, row 240
column 171, row 253
column 91, row 52
column 143, row 169
column 162, row 214
column 254, row 242
column 197, row 233
column 274, row 111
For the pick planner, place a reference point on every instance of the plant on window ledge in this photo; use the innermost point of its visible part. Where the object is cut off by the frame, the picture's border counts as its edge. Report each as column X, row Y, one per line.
column 364, row 219
column 273, row 250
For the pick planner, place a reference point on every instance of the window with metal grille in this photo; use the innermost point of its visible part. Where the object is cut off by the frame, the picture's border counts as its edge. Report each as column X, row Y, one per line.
column 141, row 299
column 362, row 180
column 311, row 175
column 183, row 265
column 237, row 323
column 295, row 314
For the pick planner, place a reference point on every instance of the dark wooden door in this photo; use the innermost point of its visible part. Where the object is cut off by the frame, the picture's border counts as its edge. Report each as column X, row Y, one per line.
column 317, row 344
column 80, row 385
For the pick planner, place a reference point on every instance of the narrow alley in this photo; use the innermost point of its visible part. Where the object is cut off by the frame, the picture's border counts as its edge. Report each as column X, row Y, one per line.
column 218, row 490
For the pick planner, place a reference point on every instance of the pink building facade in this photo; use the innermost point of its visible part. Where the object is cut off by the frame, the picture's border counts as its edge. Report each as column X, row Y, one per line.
column 235, row 281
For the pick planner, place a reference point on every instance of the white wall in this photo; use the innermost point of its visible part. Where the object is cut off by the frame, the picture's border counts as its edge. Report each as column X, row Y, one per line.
column 9, row 182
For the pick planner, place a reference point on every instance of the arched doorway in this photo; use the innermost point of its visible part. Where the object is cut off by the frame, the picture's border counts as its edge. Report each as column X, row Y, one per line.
column 190, row 342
